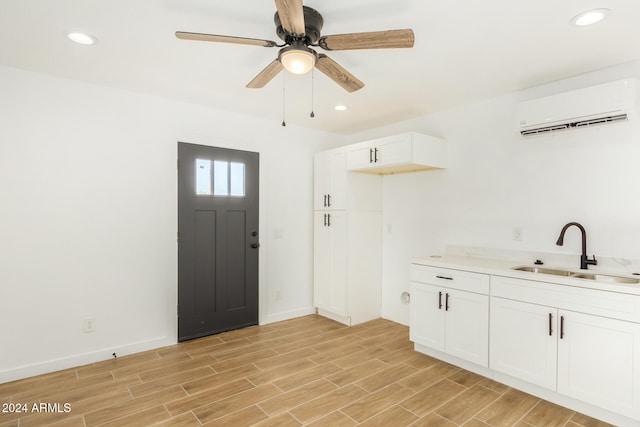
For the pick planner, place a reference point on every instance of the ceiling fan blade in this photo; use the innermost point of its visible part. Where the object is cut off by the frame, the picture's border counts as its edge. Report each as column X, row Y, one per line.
column 266, row 75
column 224, row 39
column 291, row 16
column 372, row 40
column 338, row 74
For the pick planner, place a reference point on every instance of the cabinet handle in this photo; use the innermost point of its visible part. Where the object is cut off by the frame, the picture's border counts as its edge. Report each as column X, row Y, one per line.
column 550, row 324
column 324, row 204
column 561, row 327
column 446, row 302
column 328, row 220
column 325, row 220
column 375, row 156
column 370, row 155
column 444, row 277
column 439, row 300
column 329, row 200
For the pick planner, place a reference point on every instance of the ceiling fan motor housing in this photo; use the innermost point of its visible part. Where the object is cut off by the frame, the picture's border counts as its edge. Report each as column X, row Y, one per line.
column 312, row 25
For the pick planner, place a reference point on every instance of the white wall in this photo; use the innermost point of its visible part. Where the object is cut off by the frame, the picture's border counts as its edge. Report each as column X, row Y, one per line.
column 497, row 180
column 88, row 220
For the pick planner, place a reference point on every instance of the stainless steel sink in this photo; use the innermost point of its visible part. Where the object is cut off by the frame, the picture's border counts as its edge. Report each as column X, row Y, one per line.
column 606, row 278
column 589, row 276
column 555, row 272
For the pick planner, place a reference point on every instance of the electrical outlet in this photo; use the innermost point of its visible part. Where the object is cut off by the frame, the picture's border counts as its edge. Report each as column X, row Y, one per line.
column 517, row 234
column 89, row 324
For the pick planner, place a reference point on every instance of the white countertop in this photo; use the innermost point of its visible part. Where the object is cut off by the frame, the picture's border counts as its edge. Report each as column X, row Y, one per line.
column 501, row 267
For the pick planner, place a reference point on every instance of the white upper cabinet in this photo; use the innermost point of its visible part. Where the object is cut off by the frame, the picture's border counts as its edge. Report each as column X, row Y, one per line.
column 407, row 152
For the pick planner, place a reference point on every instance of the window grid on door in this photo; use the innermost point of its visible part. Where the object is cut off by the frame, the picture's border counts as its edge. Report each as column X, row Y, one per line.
column 220, row 178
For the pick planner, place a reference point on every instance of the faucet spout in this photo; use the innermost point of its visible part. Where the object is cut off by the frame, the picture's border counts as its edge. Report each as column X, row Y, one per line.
column 584, row 259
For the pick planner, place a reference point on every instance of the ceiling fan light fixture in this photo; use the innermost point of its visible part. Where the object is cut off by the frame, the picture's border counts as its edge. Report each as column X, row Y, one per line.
column 589, row 17
column 298, row 59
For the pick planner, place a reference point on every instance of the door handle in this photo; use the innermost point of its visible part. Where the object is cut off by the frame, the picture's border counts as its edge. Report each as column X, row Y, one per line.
column 446, row 302
column 370, row 155
column 561, row 327
column 325, row 201
column 550, row 324
column 255, row 245
column 328, row 220
column 439, row 300
column 375, row 156
column 325, row 220
column 328, row 200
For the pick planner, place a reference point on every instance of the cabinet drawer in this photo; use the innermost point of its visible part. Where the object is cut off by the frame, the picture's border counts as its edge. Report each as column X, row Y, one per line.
column 590, row 301
column 453, row 279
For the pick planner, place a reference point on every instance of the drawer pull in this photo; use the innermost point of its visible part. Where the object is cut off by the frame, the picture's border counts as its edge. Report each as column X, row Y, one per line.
column 444, row 277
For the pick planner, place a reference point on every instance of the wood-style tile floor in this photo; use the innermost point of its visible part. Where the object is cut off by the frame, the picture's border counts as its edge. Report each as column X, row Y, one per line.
column 305, row 371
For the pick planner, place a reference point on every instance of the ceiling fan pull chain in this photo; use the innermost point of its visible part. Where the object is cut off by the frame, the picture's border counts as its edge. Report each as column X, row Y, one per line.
column 312, row 115
column 284, row 123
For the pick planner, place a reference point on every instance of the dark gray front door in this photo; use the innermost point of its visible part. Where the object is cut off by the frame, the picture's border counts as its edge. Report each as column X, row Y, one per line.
column 217, row 240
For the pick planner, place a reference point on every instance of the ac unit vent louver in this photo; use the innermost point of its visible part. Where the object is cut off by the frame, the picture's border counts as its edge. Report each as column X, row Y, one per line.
column 608, row 103
column 578, row 124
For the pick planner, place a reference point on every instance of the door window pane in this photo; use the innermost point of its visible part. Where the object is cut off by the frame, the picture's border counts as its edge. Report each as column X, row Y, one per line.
column 203, row 176
column 220, row 178
column 237, row 179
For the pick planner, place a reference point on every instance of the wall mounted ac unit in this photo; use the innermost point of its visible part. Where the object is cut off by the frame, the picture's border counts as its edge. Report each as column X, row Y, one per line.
column 612, row 102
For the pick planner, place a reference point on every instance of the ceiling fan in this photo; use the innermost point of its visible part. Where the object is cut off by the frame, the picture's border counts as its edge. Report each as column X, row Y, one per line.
column 299, row 27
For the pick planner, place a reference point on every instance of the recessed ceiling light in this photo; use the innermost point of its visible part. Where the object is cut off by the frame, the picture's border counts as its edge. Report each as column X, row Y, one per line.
column 82, row 38
column 340, row 108
column 590, row 17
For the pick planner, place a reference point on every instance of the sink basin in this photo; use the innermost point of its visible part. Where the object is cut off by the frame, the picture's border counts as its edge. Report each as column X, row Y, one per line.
column 606, row 278
column 542, row 270
column 589, row 276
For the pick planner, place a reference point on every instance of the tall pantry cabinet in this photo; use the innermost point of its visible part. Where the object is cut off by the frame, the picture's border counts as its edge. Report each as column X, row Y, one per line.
column 347, row 240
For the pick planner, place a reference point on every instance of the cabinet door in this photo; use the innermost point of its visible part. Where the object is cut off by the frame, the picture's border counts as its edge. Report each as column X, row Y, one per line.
column 330, row 261
column 427, row 315
column 330, row 180
column 522, row 343
column 360, row 157
column 598, row 359
column 467, row 326
column 321, row 260
column 394, row 150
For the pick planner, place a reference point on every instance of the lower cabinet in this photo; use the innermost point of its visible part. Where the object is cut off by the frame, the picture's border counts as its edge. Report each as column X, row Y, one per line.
column 330, row 261
column 598, row 361
column 347, row 275
column 584, row 356
column 565, row 343
column 447, row 319
column 523, row 341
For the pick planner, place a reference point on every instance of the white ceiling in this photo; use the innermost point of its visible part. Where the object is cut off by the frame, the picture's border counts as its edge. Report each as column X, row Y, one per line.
column 465, row 50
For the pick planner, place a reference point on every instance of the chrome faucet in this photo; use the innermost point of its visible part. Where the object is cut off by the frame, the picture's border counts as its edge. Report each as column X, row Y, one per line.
column 584, row 260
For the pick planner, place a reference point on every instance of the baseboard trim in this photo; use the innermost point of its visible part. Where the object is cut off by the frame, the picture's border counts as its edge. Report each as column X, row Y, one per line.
column 286, row 315
column 73, row 361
